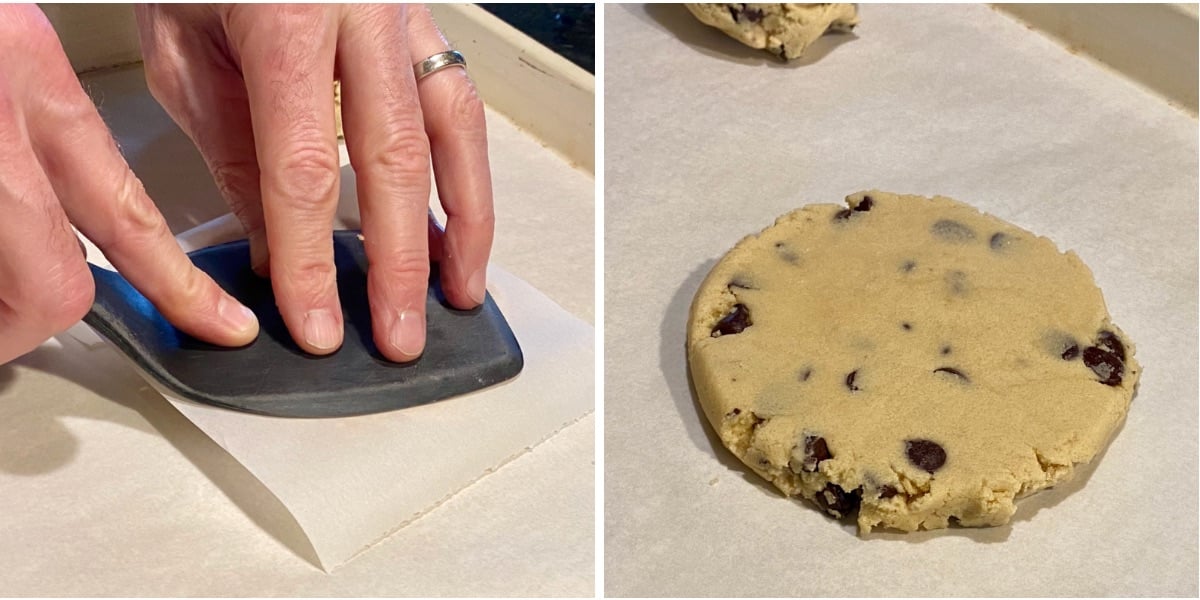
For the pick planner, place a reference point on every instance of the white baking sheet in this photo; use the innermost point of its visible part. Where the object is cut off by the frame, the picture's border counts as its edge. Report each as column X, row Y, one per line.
column 707, row 141
column 109, row 490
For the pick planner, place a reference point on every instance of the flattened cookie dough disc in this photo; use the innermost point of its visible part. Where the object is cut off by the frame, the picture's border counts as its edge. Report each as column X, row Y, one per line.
column 783, row 29
column 907, row 360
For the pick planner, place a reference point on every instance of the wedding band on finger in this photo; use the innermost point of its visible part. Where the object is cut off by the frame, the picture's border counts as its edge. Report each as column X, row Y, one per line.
column 439, row 61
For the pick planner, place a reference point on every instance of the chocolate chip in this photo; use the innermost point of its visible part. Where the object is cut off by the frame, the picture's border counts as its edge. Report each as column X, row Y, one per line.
column 736, row 321
column 753, row 15
column 926, row 455
column 1109, row 341
column 839, row 502
column 843, row 214
column 734, row 13
column 805, row 374
column 945, row 350
column 850, row 381
column 999, row 241
column 954, row 372
column 1105, row 364
column 952, row 231
column 733, row 413
column 908, row 266
column 757, row 421
column 865, row 204
column 1071, row 353
column 957, row 283
column 887, row 491
column 741, row 283
column 906, row 326
column 786, row 253
column 815, row 451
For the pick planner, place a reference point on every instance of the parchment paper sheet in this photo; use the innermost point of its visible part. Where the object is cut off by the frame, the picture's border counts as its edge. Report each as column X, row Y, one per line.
column 109, row 490
column 351, row 482
column 707, row 141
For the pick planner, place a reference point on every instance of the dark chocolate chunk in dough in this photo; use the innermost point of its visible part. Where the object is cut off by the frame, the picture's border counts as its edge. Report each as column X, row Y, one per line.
column 887, row 491
column 1109, row 341
column 839, row 502
column 954, row 372
column 999, row 241
column 741, row 282
column 865, row 204
column 805, row 373
column 1105, row 364
column 945, row 350
column 815, row 451
column 850, row 381
column 925, row 454
column 736, row 321
column 906, row 326
column 952, row 231
column 1071, row 353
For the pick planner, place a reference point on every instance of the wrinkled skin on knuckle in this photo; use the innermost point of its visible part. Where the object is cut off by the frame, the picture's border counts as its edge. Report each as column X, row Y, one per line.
column 466, row 110
column 136, row 222
column 403, row 150
column 309, row 281
column 401, row 273
column 308, row 179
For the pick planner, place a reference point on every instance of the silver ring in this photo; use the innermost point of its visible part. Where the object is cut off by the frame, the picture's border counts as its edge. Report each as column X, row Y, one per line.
column 439, row 61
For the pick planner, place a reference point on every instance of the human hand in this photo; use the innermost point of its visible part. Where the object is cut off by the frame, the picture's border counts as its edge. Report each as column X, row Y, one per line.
column 252, row 85
column 59, row 165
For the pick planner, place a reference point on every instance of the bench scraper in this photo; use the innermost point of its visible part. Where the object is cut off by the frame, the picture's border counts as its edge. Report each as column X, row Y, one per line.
column 465, row 350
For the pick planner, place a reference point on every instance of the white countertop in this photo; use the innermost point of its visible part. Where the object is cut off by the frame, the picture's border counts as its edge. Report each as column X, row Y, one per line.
column 708, row 141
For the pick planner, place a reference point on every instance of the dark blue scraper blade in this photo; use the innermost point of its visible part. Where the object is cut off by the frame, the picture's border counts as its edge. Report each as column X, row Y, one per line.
column 465, row 350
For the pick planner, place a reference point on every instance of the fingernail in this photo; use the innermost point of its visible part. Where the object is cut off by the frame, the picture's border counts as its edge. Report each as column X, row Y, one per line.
column 235, row 314
column 476, row 287
column 321, row 329
column 408, row 333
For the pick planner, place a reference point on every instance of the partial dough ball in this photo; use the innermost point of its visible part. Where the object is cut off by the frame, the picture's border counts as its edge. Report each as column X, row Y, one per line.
column 783, row 29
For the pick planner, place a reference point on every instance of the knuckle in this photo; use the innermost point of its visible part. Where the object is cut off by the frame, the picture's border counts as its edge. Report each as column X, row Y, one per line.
column 404, row 149
column 135, row 221
column 402, row 269
column 466, row 109
column 308, row 178
column 310, row 281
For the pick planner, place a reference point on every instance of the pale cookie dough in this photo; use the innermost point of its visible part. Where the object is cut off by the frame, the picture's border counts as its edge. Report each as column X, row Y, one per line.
column 908, row 360
column 337, row 108
column 783, row 29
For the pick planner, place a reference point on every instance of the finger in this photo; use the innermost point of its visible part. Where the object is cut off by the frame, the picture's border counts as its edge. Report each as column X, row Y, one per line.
column 286, row 55
column 106, row 201
column 385, row 136
column 202, row 89
column 45, row 285
column 454, row 121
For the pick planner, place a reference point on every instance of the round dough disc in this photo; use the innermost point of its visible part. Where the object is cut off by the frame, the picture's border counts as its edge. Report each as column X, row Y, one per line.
column 908, row 360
